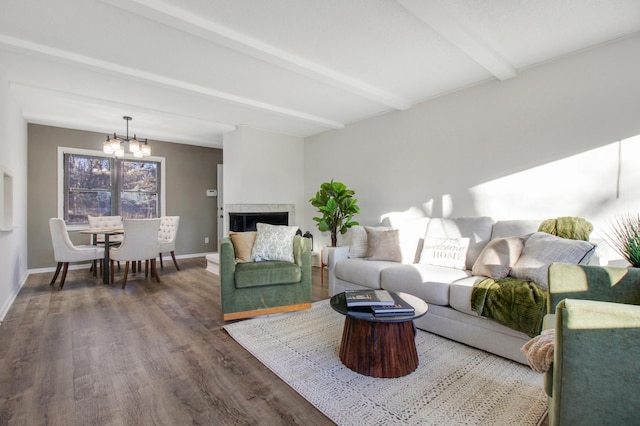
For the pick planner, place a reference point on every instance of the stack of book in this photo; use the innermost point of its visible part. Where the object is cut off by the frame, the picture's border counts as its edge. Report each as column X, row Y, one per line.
column 377, row 302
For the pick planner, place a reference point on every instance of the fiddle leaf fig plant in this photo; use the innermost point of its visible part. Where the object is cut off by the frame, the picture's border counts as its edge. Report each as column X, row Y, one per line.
column 336, row 204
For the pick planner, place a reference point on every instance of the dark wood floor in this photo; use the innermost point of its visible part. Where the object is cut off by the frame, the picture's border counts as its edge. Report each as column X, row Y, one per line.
column 152, row 354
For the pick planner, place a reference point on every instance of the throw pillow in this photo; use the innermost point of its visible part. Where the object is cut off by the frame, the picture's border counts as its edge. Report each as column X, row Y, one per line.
column 359, row 243
column 383, row 244
column 449, row 252
column 498, row 257
column 243, row 245
column 542, row 249
column 273, row 242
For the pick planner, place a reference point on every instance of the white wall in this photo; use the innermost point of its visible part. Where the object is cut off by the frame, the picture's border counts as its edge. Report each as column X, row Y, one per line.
column 261, row 167
column 13, row 244
column 537, row 146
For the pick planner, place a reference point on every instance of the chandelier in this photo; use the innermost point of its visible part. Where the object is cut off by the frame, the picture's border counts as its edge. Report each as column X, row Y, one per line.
column 115, row 144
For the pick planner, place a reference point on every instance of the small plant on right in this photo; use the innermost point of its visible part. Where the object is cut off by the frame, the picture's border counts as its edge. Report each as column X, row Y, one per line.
column 624, row 237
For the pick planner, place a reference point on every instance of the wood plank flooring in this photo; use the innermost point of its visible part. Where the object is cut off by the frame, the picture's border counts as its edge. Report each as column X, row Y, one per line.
column 152, row 354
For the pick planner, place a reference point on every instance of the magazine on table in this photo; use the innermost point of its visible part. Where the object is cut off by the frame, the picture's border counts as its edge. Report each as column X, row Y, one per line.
column 368, row 298
column 400, row 307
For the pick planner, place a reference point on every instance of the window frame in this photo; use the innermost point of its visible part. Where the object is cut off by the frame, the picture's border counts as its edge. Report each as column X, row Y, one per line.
column 94, row 153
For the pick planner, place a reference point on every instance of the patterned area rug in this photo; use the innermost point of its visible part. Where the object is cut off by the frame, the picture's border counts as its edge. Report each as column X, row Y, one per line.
column 453, row 385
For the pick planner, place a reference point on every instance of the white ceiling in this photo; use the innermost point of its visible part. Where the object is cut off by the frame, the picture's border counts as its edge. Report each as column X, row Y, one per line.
column 190, row 70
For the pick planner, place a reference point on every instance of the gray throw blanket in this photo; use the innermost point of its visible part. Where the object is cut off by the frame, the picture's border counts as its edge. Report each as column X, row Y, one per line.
column 517, row 304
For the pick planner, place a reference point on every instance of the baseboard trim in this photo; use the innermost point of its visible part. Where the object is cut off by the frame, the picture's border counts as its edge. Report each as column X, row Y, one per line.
column 265, row 311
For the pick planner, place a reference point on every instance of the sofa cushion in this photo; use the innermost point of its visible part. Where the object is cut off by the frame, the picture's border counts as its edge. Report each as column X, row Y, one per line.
column 362, row 272
column 449, row 252
column 477, row 229
column 460, row 294
column 542, row 249
column 498, row 257
column 257, row 274
column 273, row 242
column 383, row 245
column 430, row 283
column 243, row 244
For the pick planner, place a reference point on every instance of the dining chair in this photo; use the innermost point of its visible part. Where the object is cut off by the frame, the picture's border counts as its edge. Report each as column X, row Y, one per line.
column 64, row 251
column 106, row 222
column 140, row 243
column 167, row 237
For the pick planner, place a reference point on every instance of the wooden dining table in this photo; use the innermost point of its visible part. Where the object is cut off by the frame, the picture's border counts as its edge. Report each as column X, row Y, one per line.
column 107, row 232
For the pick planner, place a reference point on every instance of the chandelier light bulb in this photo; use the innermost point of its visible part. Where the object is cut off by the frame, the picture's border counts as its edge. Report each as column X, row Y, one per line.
column 106, row 147
column 134, row 145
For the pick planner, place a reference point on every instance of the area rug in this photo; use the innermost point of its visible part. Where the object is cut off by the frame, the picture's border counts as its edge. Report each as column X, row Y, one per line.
column 454, row 384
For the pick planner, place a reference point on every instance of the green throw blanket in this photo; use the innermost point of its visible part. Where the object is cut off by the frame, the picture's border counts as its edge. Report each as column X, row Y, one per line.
column 515, row 303
column 574, row 228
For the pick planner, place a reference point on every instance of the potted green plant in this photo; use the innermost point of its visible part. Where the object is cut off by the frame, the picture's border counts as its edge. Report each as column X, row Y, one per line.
column 337, row 205
column 624, row 237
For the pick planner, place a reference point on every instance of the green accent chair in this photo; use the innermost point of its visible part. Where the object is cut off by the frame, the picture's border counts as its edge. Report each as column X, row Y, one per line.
column 595, row 376
column 260, row 288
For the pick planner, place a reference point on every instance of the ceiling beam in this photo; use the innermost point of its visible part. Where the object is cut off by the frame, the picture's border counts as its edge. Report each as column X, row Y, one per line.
column 40, row 49
column 438, row 17
column 191, row 23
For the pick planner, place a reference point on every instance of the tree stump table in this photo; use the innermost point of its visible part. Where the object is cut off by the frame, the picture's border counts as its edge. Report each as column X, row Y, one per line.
column 379, row 346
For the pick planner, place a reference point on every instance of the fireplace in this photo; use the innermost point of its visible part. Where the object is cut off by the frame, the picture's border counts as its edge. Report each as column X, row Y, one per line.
column 241, row 222
column 241, row 217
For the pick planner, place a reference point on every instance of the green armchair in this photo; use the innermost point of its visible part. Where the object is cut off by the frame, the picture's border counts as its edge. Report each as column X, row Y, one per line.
column 595, row 376
column 261, row 288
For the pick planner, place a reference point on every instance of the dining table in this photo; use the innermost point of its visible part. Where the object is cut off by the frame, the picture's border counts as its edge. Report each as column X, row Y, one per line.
column 106, row 232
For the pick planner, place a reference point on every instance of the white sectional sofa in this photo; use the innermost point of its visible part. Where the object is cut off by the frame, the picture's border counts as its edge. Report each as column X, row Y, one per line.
column 400, row 262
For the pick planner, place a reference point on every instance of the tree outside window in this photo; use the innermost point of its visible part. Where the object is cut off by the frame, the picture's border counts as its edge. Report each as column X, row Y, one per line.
column 106, row 186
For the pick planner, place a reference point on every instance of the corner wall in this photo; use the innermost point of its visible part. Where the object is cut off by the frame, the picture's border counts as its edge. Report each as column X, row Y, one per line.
column 541, row 145
column 262, row 167
column 13, row 244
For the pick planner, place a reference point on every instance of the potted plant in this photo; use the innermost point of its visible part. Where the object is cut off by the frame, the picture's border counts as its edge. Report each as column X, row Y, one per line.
column 624, row 237
column 337, row 205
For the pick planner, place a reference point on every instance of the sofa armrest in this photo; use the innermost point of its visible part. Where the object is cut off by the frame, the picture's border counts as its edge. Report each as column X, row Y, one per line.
column 334, row 255
column 607, row 284
column 595, row 363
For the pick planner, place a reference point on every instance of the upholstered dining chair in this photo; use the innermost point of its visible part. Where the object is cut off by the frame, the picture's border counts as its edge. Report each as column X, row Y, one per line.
column 167, row 237
column 64, row 251
column 101, row 222
column 140, row 243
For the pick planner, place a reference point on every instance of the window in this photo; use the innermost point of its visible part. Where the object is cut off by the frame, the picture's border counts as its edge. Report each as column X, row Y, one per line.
column 98, row 185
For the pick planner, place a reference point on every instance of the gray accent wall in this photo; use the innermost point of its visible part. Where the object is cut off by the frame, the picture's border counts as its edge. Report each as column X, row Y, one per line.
column 189, row 172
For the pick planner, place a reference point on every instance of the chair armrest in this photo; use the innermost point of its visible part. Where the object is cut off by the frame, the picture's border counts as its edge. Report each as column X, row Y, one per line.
column 607, row 284
column 595, row 363
column 227, row 267
column 301, row 250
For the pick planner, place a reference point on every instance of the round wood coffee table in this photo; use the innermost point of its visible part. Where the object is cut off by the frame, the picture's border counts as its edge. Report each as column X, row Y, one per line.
column 379, row 346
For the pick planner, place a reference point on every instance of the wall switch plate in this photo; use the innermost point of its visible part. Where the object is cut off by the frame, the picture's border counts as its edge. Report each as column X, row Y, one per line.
column 206, row 240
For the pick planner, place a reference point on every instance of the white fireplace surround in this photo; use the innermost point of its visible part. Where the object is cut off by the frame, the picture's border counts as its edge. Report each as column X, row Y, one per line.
column 213, row 259
column 258, row 208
